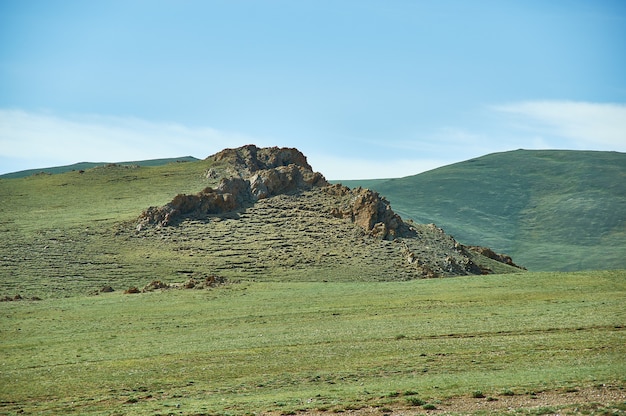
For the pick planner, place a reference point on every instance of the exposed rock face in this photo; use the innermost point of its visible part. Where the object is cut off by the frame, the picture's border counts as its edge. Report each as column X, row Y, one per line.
column 283, row 180
column 230, row 195
column 273, row 171
column 369, row 211
column 276, row 171
column 249, row 159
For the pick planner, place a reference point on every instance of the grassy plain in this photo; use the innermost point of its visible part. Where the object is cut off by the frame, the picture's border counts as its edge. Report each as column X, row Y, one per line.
column 280, row 346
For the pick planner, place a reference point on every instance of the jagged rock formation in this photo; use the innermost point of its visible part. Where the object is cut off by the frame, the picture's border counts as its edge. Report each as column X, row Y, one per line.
column 248, row 159
column 231, row 194
column 281, row 182
column 259, row 174
column 370, row 211
column 263, row 173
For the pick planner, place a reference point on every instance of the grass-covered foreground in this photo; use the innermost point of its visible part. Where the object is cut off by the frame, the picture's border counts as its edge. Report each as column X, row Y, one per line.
column 278, row 346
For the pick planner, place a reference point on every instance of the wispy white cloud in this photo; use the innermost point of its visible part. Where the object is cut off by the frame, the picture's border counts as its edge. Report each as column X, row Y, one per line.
column 580, row 125
column 31, row 140
column 35, row 138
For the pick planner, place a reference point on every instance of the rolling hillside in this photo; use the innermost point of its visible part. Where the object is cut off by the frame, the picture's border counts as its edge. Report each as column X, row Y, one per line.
column 243, row 213
column 90, row 165
column 549, row 210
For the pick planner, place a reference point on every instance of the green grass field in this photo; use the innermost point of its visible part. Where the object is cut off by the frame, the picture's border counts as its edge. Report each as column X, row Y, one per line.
column 303, row 323
column 279, row 346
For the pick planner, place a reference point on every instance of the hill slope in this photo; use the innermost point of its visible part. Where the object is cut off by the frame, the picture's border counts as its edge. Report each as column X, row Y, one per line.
column 90, row 165
column 550, row 210
column 240, row 217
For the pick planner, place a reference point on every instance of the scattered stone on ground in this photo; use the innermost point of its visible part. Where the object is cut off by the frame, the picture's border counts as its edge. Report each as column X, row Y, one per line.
column 192, row 283
column 18, row 297
column 487, row 252
column 604, row 400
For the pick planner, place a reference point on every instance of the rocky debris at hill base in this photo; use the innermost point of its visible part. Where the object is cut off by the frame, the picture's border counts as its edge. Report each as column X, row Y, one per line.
column 487, row 252
column 18, row 298
column 192, row 283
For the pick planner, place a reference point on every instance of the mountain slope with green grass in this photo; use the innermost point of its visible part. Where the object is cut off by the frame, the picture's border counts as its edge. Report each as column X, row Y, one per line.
column 90, row 165
column 548, row 209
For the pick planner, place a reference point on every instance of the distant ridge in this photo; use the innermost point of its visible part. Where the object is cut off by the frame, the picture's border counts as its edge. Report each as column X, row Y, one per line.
column 91, row 165
column 560, row 210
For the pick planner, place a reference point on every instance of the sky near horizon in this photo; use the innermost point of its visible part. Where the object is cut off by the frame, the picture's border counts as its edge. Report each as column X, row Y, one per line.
column 365, row 89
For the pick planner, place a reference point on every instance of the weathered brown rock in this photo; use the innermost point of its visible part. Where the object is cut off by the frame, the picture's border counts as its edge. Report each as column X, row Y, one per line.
column 276, row 171
column 155, row 285
column 249, row 159
column 487, row 252
column 207, row 283
column 283, row 180
column 369, row 211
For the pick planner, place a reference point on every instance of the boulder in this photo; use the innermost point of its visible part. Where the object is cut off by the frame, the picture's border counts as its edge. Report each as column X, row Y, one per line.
column 248, row 159
column 283, row 180
column 370, row 211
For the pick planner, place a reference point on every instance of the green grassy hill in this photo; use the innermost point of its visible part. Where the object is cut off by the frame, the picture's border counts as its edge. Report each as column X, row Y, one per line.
column 91, row 165
column 549, row 210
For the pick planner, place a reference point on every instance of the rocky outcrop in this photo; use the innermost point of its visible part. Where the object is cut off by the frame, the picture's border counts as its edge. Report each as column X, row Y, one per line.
column 283, row 180
column 370, row 211
column 248, row 159
column 277, row 186
column 489, row 253
column 231, row 194
column 260, row 173
column 273, row 171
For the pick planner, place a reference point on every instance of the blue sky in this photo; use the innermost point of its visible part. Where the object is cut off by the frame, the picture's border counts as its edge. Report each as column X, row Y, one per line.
column 366, row 89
